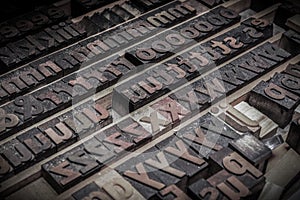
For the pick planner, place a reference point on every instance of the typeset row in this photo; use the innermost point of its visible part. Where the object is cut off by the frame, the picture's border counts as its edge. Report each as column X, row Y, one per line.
column 194, row 154
column 72, row 88
column 172, row 112
column 65, row 33
column 45, row 16
column 161, row 116
column 59, row 95
column 90, row 50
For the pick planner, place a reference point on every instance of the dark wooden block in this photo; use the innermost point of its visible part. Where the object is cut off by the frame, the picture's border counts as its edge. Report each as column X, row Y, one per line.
column 98, row 151
column 171, row 110
column 286, row 10
column 293, row 70
column 252, row 62
column 290, row 42
column 91, row 189
column 202, row 189
column 152, row 121
column 109, row 185
column 66, row 170
column 158, row 48
column 59, row 132
column 236, row 76
column 50, row 100
column 16, row 154
column 148, row 86
column 123, row 136
column 188, row 99
column 252, row 149
column 80, row 7
column 274, row 101
column 8, row 122
column 172, row 192
column 272, row 54
column 101, row 21
column 231, row 163
column 168, row 16
column 112, row 17
column 39, row 144
column 124, row 14
column 27, row 108
column 211, row 88
column 202, row 141
column 144, row 178
column 180, row 156
column 288, row 82
column 293, row 138
column 261, row 25
column 6, row 169
column 211, row 123
column 236, row 187
column 212, row 3
column 7, row 59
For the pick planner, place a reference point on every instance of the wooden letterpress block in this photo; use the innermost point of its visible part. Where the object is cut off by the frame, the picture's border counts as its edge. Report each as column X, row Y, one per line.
column 51, row 101
column 172, row 192
column 187, row 98
column 8, row 122
column 17, row 154
column 36, row 141
column 288, row 82
column 66, row 170
column 272, row 54
column 180, row 156
column 237, row 120
column 279, row 175
column 110, row 185
column 124, row 136
column 290, row 42
column 232, row 186
column 261, row 25
column 204, row 142
column 293, row 138
column 8, row 59
column 293, row 70
column 59, row 133
column 134, row 131
column 268, row 127
column 89, row 117
column 112, row 17
column 148, row 180
column 211, row 88
column 170, row 15
column 171, row 110
column 231, row 163
column 124, row 14
column 27, row 108
column 252, row 149
column 156, row 49
column 98, row 151
column 152, row 121
column 236, row 76
column 6, row 169
column 252, row 62
column 130, row 95
column 202, row 189
column 274, row 101
column 211, row 123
